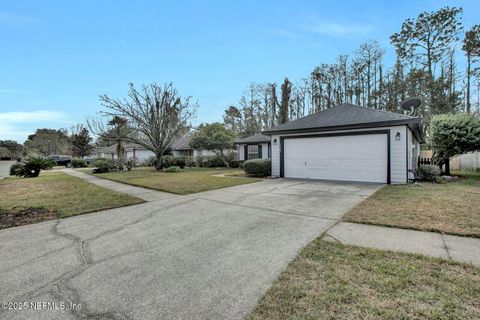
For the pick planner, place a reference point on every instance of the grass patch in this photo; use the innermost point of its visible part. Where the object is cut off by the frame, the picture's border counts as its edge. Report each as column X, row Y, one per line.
column 53, row 195
column 334, row 281
column 190, row 180
column 451, row 207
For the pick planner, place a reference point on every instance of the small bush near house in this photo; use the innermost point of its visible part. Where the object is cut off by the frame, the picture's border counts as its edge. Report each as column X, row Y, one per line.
column 173, row 169
column 103, row 165
column 168, row 161
column 428, row 172
column 258, row 167
column 15, row 169
column 200, row 161
column 97, row 161
column 31, row 166
column 78, row 163
column 131, row 163
column 214, row 162
column 234, row 163
column 190, row 162
column 149, row 162
column 180, row 162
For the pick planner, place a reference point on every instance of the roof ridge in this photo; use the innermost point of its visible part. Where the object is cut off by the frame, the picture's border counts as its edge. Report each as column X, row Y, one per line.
column 388, row 112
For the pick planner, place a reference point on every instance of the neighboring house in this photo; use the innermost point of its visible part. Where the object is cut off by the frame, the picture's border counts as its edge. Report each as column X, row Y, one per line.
column 347, row 143
column 253, row 147
column 133, row 150
column 109, row 152
column 181, row 147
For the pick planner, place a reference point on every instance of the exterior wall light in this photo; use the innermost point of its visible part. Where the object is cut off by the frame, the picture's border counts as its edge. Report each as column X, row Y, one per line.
column 397, row 136
column 274, row 142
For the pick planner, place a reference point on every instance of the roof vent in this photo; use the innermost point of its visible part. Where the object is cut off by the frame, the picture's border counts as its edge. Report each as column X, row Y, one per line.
column 411, row 104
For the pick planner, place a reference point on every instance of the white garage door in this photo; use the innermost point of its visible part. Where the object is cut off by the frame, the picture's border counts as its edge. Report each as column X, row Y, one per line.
column 345, row 158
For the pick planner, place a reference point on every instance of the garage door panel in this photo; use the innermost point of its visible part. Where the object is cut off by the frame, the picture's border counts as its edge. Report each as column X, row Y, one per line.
column 348, row 158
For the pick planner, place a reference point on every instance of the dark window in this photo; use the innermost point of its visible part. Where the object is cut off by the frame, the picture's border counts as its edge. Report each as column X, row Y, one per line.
column 253, row 152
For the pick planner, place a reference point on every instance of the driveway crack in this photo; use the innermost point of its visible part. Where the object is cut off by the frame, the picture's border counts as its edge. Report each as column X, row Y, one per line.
column 141, row 219
column 445, row 246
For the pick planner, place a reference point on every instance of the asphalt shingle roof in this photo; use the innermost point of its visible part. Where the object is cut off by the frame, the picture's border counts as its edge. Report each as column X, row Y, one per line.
column 256, row 138
column 182, row 143
column 344, row 116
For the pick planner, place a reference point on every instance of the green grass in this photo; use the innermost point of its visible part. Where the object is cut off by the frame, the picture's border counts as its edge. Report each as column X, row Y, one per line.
column 451, row 207
column 59, row 194
column 334, row 281
column 190, row 180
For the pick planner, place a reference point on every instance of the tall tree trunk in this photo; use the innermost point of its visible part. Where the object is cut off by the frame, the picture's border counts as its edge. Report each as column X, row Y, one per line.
column 274, row 104
column 468, row 83
column 159, row 164
column 120, row 151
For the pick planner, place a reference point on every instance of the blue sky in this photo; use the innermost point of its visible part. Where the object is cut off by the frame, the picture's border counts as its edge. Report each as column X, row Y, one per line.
column 58, row 56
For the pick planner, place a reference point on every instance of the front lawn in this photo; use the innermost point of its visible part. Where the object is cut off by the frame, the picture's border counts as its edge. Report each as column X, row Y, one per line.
column 190, row 180
column 334, row 281
column 452, row 207
column 53, row 195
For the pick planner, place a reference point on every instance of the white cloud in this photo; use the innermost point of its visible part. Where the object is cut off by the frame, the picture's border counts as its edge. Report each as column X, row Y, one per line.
column 314, row 25
column 33, row 116
column 9, row 132
column 338, row 29
column 17, row 125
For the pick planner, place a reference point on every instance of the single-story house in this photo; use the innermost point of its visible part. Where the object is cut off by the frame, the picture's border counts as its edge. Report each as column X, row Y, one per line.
column 109, row 152
column 133, row 150
column 347, row 143
column 253, row 147
column 181, row 147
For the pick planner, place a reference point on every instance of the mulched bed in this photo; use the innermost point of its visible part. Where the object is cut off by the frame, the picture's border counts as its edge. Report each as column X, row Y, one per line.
column 21, row 216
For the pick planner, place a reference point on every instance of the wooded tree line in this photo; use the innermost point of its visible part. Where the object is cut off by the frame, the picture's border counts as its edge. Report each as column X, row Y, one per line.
column 77, row 143
column 426, row 66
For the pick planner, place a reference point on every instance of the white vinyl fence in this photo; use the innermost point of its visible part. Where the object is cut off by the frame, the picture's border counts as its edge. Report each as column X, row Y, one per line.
column 468, row 161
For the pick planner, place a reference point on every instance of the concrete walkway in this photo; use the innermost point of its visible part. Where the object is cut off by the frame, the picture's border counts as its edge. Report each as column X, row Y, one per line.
column 433, row 244
column 139, row 192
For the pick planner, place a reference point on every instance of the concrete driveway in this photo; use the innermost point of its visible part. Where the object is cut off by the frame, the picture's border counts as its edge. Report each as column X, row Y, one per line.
column 5, row 168
column 210, row 255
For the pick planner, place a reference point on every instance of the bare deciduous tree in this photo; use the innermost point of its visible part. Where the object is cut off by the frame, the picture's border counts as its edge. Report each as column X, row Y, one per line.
column 157, row 115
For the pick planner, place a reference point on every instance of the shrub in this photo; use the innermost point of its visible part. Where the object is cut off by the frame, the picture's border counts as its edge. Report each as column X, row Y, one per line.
column 428, row 172
column 78, row 163
column 149, row 162
column 16, row 169
column 173, row 169
column 168, row 161
column 190, row 162
column 234, row 163
column 103, row 165
column 130, row 164
column 200, row 161
column 31, row 166
column 258, row 167
column 180, row 162
column 214, row 162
